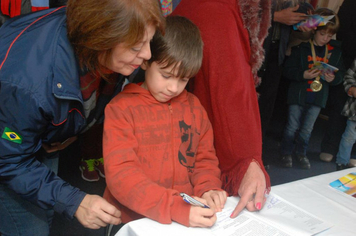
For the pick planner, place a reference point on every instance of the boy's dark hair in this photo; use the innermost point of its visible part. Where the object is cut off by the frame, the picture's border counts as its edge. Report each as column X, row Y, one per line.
column 333, row 25
column 181, row 46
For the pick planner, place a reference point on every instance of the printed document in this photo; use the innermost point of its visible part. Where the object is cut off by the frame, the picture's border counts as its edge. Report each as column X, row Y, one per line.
column 277, row 218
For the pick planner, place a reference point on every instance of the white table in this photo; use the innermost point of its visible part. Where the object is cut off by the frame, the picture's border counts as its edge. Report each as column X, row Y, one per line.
column 311, row 194
column 317, row 197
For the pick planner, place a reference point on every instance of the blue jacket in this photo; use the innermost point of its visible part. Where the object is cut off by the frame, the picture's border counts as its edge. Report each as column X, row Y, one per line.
column 40, row 102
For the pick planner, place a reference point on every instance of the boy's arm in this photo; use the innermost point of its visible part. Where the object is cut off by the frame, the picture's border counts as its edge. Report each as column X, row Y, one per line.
column 350, row 79
column 125, row 178
column 206, row 175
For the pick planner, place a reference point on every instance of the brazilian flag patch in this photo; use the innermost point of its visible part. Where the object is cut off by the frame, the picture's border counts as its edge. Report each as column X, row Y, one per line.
column 12, row 136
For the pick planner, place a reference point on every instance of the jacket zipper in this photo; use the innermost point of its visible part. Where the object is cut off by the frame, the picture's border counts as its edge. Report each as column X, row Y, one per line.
column 172, row 141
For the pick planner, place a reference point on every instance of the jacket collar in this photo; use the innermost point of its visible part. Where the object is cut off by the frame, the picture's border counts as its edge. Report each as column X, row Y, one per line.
column 66, row 83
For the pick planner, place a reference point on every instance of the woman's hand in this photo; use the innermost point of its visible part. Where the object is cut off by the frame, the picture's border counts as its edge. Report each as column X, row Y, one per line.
column 288, row 16
column 95, row 212
column 252, row 190
column 54, row 147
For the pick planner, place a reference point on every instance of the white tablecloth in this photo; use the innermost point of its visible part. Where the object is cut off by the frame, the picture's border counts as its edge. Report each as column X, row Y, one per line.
column 317, row 197
column 312, row 194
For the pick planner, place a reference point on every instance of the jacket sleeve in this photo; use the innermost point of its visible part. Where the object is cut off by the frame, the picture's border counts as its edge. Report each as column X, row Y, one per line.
column 206, row 175
column 125, row 178
column 295, row 65
column 20, row 169
column 339, row 75
column 350, row 77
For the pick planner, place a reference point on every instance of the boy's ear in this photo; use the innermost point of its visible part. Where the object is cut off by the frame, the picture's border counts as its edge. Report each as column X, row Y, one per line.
column 144, row 65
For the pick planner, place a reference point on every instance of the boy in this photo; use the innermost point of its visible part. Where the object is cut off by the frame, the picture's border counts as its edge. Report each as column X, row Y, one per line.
column 158, row 141
column 348, row 138
column 308, row 89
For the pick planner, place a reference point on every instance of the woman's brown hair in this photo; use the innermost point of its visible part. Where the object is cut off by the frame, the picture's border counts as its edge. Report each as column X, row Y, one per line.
column 95, row 27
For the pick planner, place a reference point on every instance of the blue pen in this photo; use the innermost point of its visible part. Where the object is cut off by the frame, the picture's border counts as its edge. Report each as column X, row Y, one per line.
column 192, row 201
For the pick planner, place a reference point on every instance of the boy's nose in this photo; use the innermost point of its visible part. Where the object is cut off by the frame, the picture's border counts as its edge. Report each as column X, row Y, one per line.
column 172, row 87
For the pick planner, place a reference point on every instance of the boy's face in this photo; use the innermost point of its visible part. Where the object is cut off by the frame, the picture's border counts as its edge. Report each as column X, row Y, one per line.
column 163, row 84
column 322, row 37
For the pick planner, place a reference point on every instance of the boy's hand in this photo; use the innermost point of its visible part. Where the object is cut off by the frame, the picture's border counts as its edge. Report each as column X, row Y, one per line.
column 329, row 77
column 216, row 199
column 311, row 74
column 201, row 217
column 352, row 92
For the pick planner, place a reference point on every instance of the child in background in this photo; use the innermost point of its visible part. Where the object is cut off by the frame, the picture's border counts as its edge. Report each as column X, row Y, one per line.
column 92, row 163
column 348, row 138
column 308, row 89
column 158, row 140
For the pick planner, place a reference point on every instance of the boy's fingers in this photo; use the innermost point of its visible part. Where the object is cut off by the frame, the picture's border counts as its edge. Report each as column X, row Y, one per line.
column 208, row 221
column 223, row 198
column 216, row 201
column 202, row 217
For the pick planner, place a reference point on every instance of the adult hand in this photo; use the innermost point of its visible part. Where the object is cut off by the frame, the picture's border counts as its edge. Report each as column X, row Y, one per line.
column 329, row 77
column 95, row 212
column 252, row 190
column 306, row 29
column 201, row 217
column 57, row 146
column 311, row 74
column 216, row 199
column 288, row 16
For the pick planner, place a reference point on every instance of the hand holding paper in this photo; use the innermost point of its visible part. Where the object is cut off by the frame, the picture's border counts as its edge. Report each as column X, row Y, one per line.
column 313, row 21
column 289, row 16
column 325, row 69
column 311, row 74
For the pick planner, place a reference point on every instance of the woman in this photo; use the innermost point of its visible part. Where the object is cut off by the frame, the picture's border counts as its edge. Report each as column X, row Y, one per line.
column 233, row 33
column 48, row 61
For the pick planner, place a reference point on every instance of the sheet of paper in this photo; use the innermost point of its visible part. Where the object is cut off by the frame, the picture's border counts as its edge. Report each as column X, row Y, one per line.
column 346, row 184
column 243, row 224
column 313, row 21
column 278, row 217
column 325, row 68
